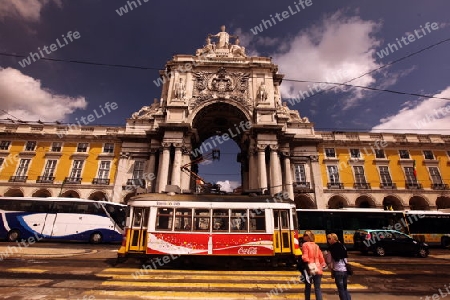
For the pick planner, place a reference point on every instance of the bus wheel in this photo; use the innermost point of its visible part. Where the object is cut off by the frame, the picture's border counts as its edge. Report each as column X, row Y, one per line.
column 13, row 235
column 380, row 251
column 445, row 242
column 96, row 238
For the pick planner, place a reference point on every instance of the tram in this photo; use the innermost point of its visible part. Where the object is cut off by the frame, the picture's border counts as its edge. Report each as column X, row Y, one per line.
column 200, row 226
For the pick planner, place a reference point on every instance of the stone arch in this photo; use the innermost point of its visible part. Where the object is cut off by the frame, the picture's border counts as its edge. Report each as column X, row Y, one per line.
column 70, row 194
column 98, row 196
column 442, row 202
column 337, row 201
column 392, row 201
column 365, row 201
column 304, row 202
column 44, row 193
column 14, row 192
column 419, row 203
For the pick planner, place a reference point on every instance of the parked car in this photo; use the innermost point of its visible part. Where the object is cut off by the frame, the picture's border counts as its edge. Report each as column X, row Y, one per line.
column 384, row 241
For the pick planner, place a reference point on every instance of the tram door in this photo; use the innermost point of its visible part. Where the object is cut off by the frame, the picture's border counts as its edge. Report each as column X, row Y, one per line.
column 138, row 234
column 282, row 236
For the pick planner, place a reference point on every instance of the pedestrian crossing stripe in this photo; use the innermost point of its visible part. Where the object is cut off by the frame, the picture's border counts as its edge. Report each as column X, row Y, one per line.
column 372, row 269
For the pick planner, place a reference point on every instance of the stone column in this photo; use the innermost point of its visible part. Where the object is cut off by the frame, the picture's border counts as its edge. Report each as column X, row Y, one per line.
column 121, row 177
column 163, row 170
column 276, row 185
column 262, row 167
column 150, row 172
column 288, row 187
column 252, row 166
column 185, row 177
column 176, row 167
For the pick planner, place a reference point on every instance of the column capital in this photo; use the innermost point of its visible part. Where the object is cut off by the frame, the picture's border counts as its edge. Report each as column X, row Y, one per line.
column 274, row 147
column 166, row 144
column 314, row 158
column 261, row 147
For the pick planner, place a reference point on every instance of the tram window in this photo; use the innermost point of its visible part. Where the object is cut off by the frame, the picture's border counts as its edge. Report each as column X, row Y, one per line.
column 164, row 218
column 284, row 219
column 183, row 219
column 220, row 220
column 257, row 220
column 239, row 220
column 201, row 219
column 139, row 217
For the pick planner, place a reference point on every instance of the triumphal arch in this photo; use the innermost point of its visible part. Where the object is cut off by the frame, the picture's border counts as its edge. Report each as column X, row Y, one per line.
column 218, row 94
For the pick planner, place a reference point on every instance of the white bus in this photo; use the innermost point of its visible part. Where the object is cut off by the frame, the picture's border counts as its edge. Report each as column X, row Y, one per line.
column 56, row 218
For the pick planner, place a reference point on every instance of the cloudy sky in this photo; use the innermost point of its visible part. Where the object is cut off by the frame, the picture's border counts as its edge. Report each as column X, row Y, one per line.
column 327, row 41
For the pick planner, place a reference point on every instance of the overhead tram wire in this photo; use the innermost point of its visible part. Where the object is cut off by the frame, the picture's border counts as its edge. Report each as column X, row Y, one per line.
column 286, row 79
column 384, row 66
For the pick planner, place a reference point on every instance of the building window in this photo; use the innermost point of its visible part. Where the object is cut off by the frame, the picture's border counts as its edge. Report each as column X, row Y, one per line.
column 410, row 178
column 404, row 154
column 82, row 147
column 30, row 146
column 379, row 153
column 299, row 171
column 108, row 148
column 435, row 175
column 329, row 152
column 359, row 174
column 103, row 170
column 4, row 145
column 56, row 147
column 385, row 176
column 428, row 154
column 333, row 174
column 138, row 171
column 1, row 162
column 23, row 167
column 354, row 153
column 49, row 169
column 76, row 169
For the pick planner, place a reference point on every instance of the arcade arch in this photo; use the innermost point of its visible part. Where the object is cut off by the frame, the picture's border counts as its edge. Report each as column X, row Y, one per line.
column 14, row 193
column 418, row 203
column 392, row 201
column 304, row 202
column 337, row 201
column 70, row 194
column 443, row 202
column 42, row 193
column 365, row 201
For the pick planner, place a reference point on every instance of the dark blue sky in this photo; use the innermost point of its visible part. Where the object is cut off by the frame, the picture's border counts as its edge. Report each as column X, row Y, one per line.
column 322, row 40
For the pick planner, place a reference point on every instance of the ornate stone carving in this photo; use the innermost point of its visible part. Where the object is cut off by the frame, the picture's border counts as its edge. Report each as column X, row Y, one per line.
column 224, row 38
column 222, row 84
column 147, row 112
column 261, row 94
column 180, row 90
column 237, row 49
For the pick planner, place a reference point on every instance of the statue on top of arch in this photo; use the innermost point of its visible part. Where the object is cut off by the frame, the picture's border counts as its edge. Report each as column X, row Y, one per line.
column 147, row 111
column 223, row 48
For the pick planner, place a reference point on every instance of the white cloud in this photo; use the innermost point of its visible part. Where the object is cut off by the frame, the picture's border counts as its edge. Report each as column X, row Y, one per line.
column 30, row 10
column 338, row 49
column 228, row 186
column 24, row 98
column 427, row 116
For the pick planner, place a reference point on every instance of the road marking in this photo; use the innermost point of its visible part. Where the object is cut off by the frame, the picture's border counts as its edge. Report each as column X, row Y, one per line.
column 27, row 270
column 355, row 264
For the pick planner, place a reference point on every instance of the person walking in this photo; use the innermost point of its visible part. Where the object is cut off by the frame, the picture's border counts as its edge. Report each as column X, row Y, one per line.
column 337, row 260
column 312, row 255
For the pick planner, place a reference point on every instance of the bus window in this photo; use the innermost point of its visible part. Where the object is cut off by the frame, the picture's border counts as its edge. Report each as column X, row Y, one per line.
column 63, row 207
column 118, row 214
column 42, row 206
column 164, row 218
column 257, row 220
column 220, row 220
column 201, row 219
column 239, row 220
column 183, row 219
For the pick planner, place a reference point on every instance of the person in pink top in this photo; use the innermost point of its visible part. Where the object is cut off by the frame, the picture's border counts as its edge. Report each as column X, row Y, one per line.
column 313, row 254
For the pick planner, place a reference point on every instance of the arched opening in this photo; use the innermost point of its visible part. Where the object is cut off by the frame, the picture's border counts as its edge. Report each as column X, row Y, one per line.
column 365, row 202
column 221, row 126
column 442, row 202
column 337, row 202
column 418, row 203
column 42, row 193
column 14, row 193
column 70, row 194
column 392, row 202
column 98, row 196
column 304, row 202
